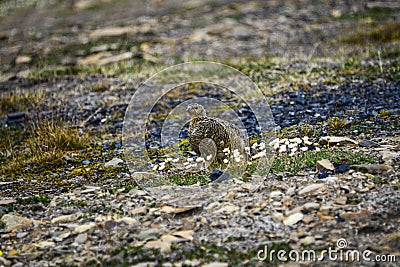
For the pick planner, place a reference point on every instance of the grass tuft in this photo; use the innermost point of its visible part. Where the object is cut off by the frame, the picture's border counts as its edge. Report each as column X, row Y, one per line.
column 18, row 100
column 41, row 145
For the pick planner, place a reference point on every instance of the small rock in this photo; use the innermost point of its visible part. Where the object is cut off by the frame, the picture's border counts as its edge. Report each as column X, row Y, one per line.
column 15, row 116
column 230, row 195
column 14, row 222
column 5, row 202
column 148, row 234
column 336, row 140
column 219, row 175
column 349, row 216
column 127, row 220
column 372, row 168
column 139, row 211
column 311, row 206
column 46, row 244
column 323, row 174
column 22, row 234
column 81, row 238
column 23, row 59
column 84, row 228
column 324, row 164
column 113, row 163
column 86, row 162
column 392, row 240
column 277, row 217
column 293, row 219
column 66, row 218
column 111, row 31
column 368, row 143
column 307, row 219
column 275, row 194
column 341, row 201
column 12, row 252
column 5, row 262
column 342, row 168
column 325, row 209
column 308, row 240
column 90, row 189
column 290, row 191
column 312, row 188
column 388, row 156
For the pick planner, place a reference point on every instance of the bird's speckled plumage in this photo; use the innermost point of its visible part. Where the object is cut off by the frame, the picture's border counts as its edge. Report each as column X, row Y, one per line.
column 223, row 133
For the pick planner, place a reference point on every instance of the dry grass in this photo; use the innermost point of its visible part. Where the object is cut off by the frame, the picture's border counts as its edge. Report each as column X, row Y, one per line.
column 42, row 145
column 19, row 100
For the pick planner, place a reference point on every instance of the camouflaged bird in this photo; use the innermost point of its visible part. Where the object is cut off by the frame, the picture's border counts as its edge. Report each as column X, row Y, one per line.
column 224, row 134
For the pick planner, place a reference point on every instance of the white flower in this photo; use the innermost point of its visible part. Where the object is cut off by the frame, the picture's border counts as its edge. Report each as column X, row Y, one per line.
column 317, row 149
column 155, row 167
column 189, row 159
column 186, row 163
column 259, row 155
column 287, row 142
column 294, row 149
column 168, row 160
column 292, row 145
column 237, row 159
column 282, row 148
column 308, row 143
column 282, row 141
column 304, row 148
column 209, row 157
column 255, row 145
column 297, row 140
column 226, row 149
column 226, row 161
column 236, row 153
column 305, row 138
column 247, row 149
column 162, row 167
column 276, row 146
column 199, row 159
column 262, row 145
column 273, row 142
column 175, row 160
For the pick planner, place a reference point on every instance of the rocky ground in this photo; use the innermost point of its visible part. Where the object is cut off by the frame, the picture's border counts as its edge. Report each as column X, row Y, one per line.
column 329, row 70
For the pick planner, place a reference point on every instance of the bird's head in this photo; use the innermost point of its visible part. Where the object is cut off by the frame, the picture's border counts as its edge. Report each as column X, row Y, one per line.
column 196, row 110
